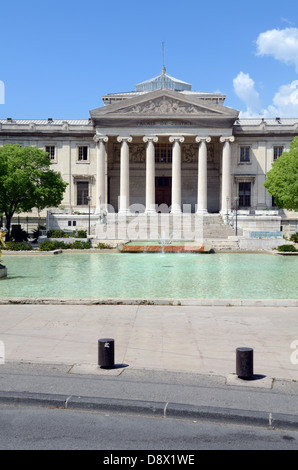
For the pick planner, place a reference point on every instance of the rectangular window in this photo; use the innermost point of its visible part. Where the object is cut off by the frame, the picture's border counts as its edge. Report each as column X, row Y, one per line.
column 50, row 149
column 277, row 151
column 82, row 153
column 163, row 153
column 82, row 193
column 245, row 154
column 244, row 194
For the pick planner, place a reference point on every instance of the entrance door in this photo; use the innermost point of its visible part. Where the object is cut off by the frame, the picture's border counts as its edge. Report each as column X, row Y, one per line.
column 244, row 194
column 163, row 188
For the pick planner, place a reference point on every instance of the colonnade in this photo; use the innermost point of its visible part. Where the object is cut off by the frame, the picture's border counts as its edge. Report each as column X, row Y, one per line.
column 176, row 173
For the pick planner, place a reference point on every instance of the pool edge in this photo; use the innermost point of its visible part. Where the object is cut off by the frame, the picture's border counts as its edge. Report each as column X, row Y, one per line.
column 161, row 301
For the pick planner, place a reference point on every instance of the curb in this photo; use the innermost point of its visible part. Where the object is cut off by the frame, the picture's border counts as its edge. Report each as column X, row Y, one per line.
column 148, row 301
column 157, row 409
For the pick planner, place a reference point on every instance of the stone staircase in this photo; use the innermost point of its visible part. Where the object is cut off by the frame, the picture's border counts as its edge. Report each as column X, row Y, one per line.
column 218, row 235
column 214, row 227
column 208, row 229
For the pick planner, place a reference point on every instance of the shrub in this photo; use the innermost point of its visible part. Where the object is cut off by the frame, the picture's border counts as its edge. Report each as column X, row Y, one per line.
column 294, row 237
column 18, row 234
column 80, row 234
column 287, row 248
column 80, row 245
column 47, row 245
column 17, row 246
column 57, row 234
column 103, row 246
column 36, row 232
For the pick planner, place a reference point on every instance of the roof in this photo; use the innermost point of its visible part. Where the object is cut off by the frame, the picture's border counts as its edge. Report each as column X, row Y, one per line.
column 44, row 122
column 163, row 81
column 269, row 122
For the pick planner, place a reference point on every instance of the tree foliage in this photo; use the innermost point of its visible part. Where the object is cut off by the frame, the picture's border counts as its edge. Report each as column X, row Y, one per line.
column 27, row 181
column 282, row 179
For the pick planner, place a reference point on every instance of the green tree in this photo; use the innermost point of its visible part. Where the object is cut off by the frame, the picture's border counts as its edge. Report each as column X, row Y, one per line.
column 282, row 179
column 27, row 181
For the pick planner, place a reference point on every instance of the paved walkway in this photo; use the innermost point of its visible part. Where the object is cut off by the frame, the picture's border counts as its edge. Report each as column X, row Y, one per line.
column 199, row 339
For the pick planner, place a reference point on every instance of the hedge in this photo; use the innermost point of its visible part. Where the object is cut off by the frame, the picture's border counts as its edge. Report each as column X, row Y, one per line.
column 47, row 245
column 287, row 248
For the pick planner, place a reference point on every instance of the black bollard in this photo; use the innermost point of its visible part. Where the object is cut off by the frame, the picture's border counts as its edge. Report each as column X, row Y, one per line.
column 106, row 353
column 244, row 363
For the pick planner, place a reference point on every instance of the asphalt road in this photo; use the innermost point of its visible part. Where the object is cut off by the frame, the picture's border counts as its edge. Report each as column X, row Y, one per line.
column 26, row 428
column 49, row 407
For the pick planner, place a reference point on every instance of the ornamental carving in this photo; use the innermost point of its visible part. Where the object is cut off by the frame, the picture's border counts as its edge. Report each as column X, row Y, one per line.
column 190, row 153
column 163, row 106
column 137, row 153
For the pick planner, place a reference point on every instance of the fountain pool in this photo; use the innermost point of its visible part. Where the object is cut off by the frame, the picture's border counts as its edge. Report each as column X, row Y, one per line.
column 150, row 276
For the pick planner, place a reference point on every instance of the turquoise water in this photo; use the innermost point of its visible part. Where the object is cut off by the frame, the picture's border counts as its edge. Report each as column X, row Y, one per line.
column 151, row 276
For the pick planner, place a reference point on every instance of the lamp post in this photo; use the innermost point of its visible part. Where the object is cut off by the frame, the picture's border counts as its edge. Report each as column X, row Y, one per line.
column 236, row 206
column 89, row 199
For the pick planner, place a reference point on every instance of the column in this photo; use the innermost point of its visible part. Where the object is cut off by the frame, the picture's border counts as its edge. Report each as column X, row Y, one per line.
column 176, row 174
column 226, row 190
column 100, row 172
column 202, row 174
column 150, row 173
column 124, row 174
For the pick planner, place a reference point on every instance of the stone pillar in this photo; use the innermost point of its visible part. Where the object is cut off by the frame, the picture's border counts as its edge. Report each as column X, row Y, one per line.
column 150, row 173
column 176, row 174
column 100, row 172
column 226, row 180
column 202, row 174
column 124, row 174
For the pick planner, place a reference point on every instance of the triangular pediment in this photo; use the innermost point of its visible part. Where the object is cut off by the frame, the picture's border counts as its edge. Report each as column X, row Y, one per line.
column 163, row 103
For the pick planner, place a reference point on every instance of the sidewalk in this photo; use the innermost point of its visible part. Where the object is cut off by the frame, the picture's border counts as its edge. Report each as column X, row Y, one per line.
column 197, row 339
column 170, row 361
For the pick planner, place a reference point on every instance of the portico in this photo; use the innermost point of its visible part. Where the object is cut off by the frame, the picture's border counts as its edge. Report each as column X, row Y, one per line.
column 162, row 134
column 148, row 163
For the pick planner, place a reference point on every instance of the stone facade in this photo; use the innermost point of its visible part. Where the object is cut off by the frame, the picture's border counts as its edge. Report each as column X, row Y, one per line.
column 174, row 149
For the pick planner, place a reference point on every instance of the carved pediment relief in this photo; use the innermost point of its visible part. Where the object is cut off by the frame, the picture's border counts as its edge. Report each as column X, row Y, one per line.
column 164, row 106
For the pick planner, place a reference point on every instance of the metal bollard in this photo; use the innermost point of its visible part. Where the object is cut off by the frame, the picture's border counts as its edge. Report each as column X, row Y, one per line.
column 106, row 353
column 244, row 363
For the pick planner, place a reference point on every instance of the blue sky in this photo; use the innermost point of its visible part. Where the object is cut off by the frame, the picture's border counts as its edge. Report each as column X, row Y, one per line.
column 57, row 58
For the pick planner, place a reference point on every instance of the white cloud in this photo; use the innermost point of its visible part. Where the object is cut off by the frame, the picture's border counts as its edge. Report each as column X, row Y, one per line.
column 282, row 44
column 285, row 101
column 244, row 87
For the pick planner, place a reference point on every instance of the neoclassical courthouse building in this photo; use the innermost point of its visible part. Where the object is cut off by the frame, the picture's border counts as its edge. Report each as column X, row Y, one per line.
column 162, row 148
